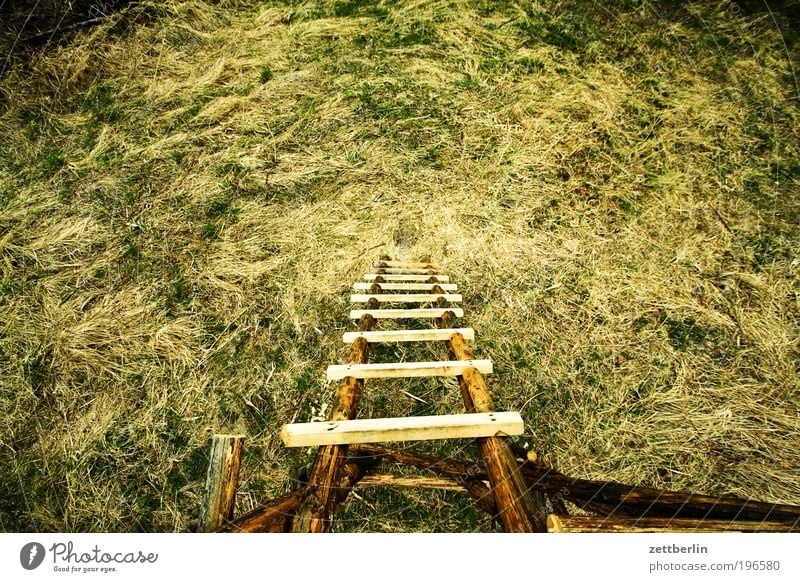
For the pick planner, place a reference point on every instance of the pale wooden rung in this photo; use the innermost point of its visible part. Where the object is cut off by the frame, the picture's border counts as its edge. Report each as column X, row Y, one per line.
column 410, row 271
column 378, row 264
column 405, row 286
column 440, row 278
column 405, row 313
column 406, row 297
column 408, row 335
column 414, row 428
column 407, row 369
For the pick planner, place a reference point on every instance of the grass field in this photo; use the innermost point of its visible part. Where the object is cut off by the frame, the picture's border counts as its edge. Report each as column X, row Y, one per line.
column 188, row 189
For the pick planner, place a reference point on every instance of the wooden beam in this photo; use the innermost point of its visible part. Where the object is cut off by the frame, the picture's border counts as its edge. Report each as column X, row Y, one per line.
column 519, row 509
column 405, row 286
column 604, row 497
column 222, row 479
column 410, row 482
column 408, row 264
column 409, row 335
column 406, row 297
column 423, row 278
column 323, row 493
column 412, row 428
column 408, row 271
column 470, row 476
column 657, row 524
column 407, row 369
column 404, row 313
column 273, row 517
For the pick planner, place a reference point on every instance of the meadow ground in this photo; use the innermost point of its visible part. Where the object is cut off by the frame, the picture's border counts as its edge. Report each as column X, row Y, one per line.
column 188, row 189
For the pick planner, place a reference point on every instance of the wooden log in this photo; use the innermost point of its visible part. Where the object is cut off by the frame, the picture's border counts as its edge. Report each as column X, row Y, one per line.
column 470, row 476
column 424, row 278
column 658, row 525
column 403, row 313
column 406, row 297
column 410, row 428
column 519, row 510
column 408, row 264
column 408, row 271
column 408, row 369
column 445, row 287
column 408, row 335
column 276, row 516
column 409, row 482
column 322, row 495
column 631, row 501
column 222, row 479
column 605, row 497
column 273, row 517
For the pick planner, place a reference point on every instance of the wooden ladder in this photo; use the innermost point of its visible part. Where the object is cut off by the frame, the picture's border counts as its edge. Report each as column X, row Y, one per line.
column 519, row 509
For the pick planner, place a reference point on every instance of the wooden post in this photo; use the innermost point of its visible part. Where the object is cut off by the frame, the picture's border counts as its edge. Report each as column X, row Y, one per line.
column 519, row 509
column 320, row 499
column 221, row 481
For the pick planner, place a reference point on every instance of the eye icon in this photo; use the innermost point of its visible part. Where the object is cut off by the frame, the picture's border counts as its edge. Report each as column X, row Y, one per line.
column 31, row 555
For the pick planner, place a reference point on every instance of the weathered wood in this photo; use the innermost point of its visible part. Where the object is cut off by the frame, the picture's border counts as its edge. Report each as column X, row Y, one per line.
column 631, row 501
column 408, row 264
column 409, row 482
column 424, row 278
column 603, row 496
column 404, row 313
column 469, row 476
column 408, row 271
column 658, row 524
column 445, row 287
column 519, row 509
column 273, row 517
column 411, row 428
column 320, row 499
column 408, row 335
column 222, row 479
column 406, row 297
column 407, row 369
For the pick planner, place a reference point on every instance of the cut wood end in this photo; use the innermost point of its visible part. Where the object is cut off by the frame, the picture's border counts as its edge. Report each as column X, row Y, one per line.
column 554, row 523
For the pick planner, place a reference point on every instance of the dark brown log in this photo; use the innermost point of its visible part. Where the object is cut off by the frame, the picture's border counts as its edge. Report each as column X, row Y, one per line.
column 276, row 516
column 410, row 482
column 518, row 509
column 323, row 493
column 605, row 497
column 658, row 524
column 222, row 479
column 273, row 517
column 470, row 476
column 627, row 500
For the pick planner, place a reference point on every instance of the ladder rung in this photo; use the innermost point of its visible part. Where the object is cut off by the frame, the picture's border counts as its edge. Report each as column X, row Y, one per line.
column 407, row 369
column 405, row 286
column 408, row 335
column 440, row 278
column 410, row 271
column 406, row 297
column 405, row 313
column 408, row 264
column 413, row 428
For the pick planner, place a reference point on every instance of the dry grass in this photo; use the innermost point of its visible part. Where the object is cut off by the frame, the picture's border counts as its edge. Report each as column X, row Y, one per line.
column 187, row 191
